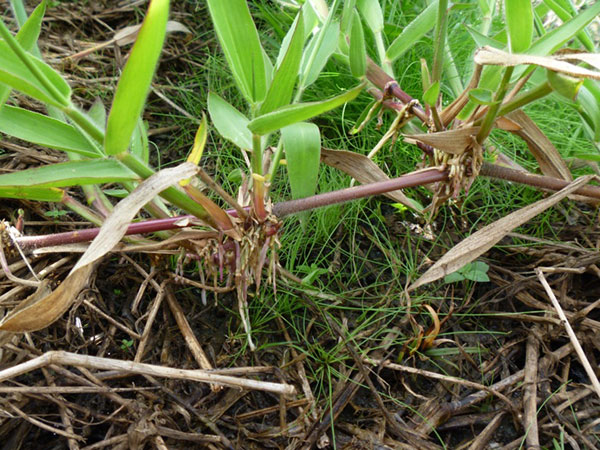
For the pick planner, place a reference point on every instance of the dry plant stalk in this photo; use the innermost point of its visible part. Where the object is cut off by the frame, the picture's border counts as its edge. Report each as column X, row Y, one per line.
column 572, row 336
column 95, row 362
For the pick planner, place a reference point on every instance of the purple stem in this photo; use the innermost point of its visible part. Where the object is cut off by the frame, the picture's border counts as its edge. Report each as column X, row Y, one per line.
column 279, row 209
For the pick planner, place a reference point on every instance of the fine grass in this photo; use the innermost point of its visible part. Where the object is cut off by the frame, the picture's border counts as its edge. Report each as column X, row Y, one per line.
column 350, row 253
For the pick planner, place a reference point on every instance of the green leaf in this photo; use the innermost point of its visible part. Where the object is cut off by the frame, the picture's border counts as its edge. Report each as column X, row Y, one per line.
column 566, row 11
column 553, row 40
column 431, row 95
column 43, row 130
column 476, row 271
column 139, row 142
column 563, row 84
column 291, row 114
column 229, row 122
column 241, row 45
column 97, row 113
column 281, row 89
column 302, row 144
column 347, row 16
column 588, row 156
column 27, row 37
column 454, row 277
column 482, row 40
column 481, row 96
column 588, row 106
column 358, row 51
column 311, row 66
column 519, row 22
column 32, row 193
column 30, row 31
column 15, row 74
column 413, row 32
column 134, row 83
column 371, row 11
column 71, row 173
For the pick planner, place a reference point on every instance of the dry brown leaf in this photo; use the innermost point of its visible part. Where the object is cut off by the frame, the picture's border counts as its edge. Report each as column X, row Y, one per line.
column 481, row 241
column 493, row 56
column 364, row 170
column 39, row 311
column 128, row 35
column 506, row 124
column 551, row 162
column 454, row 142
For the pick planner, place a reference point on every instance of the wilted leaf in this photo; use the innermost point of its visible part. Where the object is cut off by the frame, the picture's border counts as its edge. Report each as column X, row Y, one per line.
column 363, row 170
column 481, row 241
column 39, row 312
column 493, row 56
column 454, row 142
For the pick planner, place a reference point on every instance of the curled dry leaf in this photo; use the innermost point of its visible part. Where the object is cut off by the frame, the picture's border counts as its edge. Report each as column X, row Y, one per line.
column 42, row 309
column 492, row 56
column 364, row 171
column 481, row 241
column 454, row 142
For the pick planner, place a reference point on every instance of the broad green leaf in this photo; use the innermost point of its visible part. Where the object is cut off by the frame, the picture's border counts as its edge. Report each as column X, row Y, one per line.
column 556, row 38
column 291, row 114
column 588, row 105
column 565, row 11
column 71, row 173
column 481, row 96
column 454, row 277
column 281, row 89
column 135, row 80
column 229, row 122
column 431, row 94
column 357, row 52
column 519, row 22
column 302, row 144
column 413, row 32
column 241, row 45
column 30, row 31
column 43, row 130
column 27, row 37
column 564, row 85
column 32, row 193
column 371, row 11
column 15, row 74
column 311, row 66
